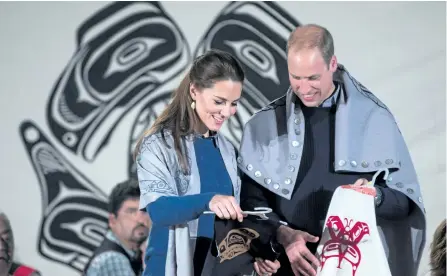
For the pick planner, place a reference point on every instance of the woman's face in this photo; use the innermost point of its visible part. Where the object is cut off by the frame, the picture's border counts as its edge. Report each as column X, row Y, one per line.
column 216, row 104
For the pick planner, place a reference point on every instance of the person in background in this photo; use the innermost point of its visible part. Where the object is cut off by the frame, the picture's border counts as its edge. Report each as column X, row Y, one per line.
column 328, row 130
column 6, row 245
column 186, row 167
column 19, row 269
column 438, row 250
column 119, row 252
column 8, row 267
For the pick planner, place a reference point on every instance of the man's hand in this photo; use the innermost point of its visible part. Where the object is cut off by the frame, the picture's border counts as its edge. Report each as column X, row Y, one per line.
column 300, row 257
column 361, row 185
column 360, row 182
column 266, row 267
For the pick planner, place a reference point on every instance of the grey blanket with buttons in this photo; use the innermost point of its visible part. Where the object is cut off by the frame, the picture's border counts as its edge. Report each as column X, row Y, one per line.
column 367, row 139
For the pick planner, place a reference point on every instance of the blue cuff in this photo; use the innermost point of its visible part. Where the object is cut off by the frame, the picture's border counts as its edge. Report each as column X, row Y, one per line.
column 172, row 210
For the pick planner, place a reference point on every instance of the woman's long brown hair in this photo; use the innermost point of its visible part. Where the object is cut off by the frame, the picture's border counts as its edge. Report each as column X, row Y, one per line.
column 179, row 118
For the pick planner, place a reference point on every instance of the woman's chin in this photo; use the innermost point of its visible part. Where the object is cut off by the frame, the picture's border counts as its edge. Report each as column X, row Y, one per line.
column 215, row 126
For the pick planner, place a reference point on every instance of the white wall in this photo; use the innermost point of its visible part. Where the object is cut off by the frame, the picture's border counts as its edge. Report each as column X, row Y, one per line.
column 396, row 49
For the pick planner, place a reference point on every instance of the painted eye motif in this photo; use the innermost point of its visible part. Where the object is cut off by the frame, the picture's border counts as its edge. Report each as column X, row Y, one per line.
column 131, row 53
column 257, row 57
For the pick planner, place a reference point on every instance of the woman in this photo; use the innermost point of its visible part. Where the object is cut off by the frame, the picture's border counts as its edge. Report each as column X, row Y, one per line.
column 185, row 167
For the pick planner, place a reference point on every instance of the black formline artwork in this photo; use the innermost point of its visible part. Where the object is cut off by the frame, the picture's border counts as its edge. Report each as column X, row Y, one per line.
column 127, row 58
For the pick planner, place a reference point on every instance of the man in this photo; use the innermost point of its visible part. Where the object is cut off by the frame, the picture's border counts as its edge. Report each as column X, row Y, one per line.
column 328, row 131
column 7, row 265
column 438, row 250
column 119, row 253
column 6, row 245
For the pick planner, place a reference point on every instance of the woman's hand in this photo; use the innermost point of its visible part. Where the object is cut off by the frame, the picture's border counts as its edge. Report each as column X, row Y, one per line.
column 226, row 207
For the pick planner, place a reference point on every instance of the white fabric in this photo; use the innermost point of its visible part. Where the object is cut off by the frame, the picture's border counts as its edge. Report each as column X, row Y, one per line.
column 350, row 244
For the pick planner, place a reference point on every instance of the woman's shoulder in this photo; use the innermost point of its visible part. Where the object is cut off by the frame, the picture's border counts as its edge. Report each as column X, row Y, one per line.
column 159, row 146
column 158, row 137
column 224, row 141
column 157, row 141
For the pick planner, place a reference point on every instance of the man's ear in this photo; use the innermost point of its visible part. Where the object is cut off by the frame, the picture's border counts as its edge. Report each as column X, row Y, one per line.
column 333, row 64
column 112, row 220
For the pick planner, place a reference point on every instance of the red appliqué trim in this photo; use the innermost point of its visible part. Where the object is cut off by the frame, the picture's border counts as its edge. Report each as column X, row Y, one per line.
column 361, row 189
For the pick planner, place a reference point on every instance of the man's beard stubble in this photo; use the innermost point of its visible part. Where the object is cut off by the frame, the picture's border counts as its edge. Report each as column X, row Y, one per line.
column 138, row 239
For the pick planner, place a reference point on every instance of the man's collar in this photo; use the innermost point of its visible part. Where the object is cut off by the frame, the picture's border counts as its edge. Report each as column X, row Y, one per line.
column 332, row 100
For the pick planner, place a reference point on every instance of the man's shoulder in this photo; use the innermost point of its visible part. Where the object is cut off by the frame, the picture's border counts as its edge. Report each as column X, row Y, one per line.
column 110, row 263
column 279, row 103
column 107, row 258
column 367, row 96
column 275, row 106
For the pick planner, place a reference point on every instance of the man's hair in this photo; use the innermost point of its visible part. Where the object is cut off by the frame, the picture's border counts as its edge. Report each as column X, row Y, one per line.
column 4, row 217
column 123, row 191
column 312, row 36
column 437, row 251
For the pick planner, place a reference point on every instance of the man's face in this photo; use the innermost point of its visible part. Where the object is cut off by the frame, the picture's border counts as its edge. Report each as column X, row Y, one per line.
column 310, row 77
column 130, row 225
column 6, row 246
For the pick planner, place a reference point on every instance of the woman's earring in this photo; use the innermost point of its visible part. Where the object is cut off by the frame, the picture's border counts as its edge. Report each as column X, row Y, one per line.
column 193, row 105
